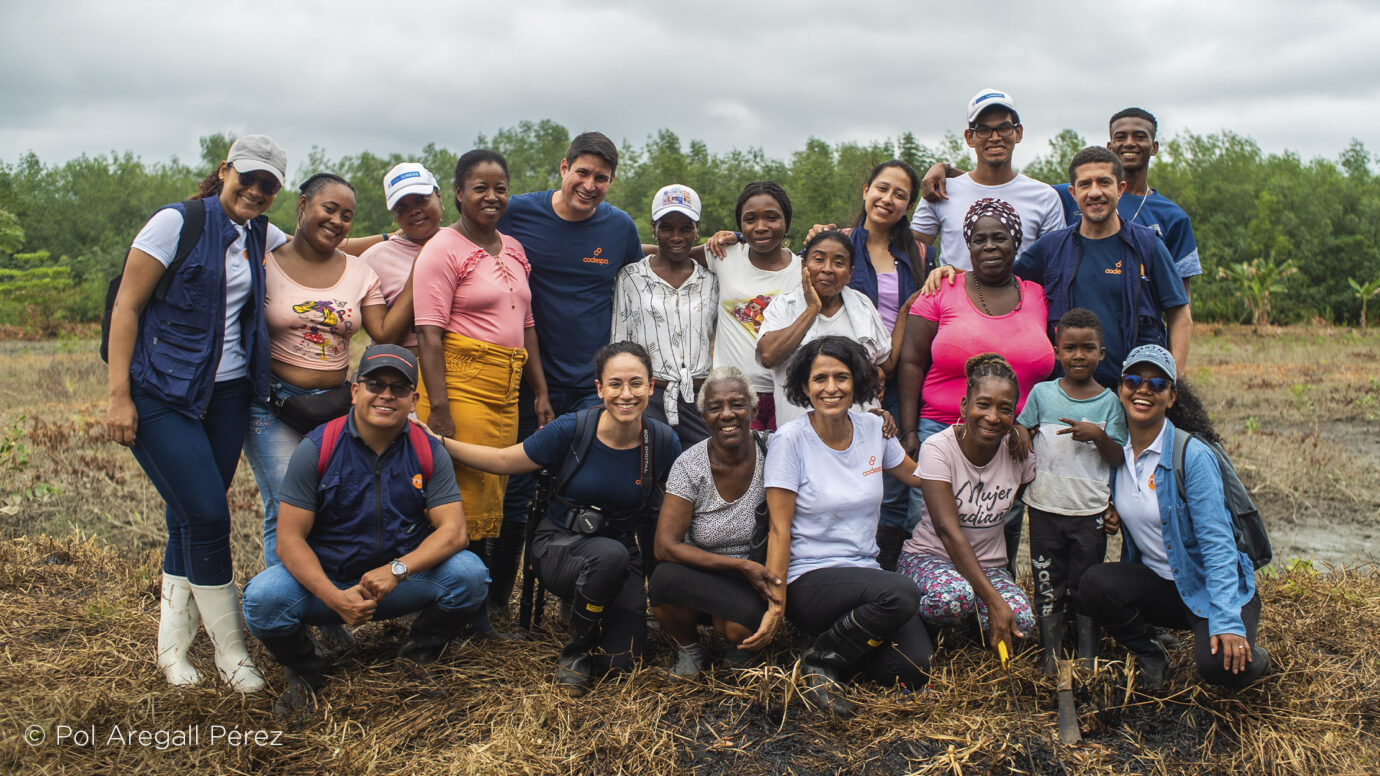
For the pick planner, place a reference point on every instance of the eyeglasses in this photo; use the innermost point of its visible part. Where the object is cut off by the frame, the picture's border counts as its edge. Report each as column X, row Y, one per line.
column 266, row 183
column 1003, row 131
column 377, row 387
column 1155, row 384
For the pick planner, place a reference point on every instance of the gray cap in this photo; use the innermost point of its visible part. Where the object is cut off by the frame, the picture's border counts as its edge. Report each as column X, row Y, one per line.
column 378, row 357
column 252, row 153
column 1155, row 356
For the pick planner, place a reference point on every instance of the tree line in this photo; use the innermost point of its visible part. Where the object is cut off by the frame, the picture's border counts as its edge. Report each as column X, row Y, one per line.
column 1303, row 237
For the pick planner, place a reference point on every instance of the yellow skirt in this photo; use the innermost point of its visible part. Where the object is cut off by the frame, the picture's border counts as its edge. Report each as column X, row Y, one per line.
column 482, row 387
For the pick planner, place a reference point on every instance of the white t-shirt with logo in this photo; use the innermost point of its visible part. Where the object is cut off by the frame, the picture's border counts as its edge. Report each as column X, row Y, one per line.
column 1036, row 203
column 838, row 493
column 159, row 239
column 744, row 294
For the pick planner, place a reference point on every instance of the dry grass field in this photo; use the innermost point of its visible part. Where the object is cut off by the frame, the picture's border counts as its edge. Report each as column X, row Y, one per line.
column 1300, row 408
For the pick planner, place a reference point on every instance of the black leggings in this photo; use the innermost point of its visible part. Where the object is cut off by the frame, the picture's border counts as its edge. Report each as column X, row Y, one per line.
column 601, row 570
column 884, row 603
column 717, row 593
column 1114, row 593
column 1062, row 548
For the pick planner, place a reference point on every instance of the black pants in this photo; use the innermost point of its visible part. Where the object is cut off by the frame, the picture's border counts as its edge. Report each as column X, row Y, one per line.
column 1114, row 593
column 1062, row 547
column 717, row 593
column 884, row 603
column 601, row 570
column 689, row 426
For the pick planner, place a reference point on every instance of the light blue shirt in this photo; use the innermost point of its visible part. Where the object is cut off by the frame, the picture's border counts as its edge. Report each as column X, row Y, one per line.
column 1139, row 507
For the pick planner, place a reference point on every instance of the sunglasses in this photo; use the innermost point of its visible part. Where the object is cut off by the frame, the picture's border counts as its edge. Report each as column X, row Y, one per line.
column 1155, row 384
column 377, row 387
column 266, row 183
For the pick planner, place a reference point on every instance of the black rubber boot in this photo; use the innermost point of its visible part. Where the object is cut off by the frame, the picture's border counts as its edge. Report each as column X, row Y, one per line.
column 575, row 666
column 830, row 661
column 1052, row 639
column 431, row 632
column 479, row 625
column 889, row 541
column 301, row 668
column 503, row 556
column 1012, row 533
column 1088, row 637
column 1137, row 636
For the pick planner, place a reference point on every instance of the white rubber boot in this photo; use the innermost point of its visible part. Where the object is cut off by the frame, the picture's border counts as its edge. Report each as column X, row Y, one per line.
column 220, row 612
column 178, row 619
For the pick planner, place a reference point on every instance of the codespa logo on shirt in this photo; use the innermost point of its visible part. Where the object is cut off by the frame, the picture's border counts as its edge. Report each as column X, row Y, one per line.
column 596, row 258
column 872, row 467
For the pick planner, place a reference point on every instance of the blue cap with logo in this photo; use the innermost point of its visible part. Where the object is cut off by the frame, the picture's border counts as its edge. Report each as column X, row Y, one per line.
column 1155, row 356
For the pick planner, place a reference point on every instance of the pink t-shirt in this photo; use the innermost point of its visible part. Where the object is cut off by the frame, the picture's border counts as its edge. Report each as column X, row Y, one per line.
column 984, row 495
column 460, row 287
column 965, row 331
column 392, row 261
column 311, row 327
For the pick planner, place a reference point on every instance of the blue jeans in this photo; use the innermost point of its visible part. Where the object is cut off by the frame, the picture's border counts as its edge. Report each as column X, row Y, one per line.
column 926, row 428
column 522, row 487
column 191, row 463
column 269, row 446
column 276, row 604
column 895, row 494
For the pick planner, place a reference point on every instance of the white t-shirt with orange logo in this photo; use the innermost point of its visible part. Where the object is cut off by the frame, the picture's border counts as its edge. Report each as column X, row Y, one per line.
column 838, row 493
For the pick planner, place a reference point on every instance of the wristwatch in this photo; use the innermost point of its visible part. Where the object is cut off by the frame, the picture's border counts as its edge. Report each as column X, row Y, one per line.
column 399, row 570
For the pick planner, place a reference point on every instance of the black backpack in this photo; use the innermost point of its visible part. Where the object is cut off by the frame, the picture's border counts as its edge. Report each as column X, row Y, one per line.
column 193, row 223
column 1246, row 526
column 655, row 453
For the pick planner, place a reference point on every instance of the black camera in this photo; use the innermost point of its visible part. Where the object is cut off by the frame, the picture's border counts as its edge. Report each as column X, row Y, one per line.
column 588, row 521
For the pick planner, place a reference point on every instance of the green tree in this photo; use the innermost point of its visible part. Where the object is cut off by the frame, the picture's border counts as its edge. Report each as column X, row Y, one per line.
column 1053, row 166
column 1364, row 292
column 1257, row 280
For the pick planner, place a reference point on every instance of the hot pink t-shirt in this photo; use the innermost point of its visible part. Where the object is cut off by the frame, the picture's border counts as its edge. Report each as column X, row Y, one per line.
column 965, row 331
column 311, row 327
column 983, row 495
column 460, row 287
column 392, row 261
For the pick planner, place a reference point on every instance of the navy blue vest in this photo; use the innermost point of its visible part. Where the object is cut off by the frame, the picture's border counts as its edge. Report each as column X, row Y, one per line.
column 369, row 509
column 181, row 337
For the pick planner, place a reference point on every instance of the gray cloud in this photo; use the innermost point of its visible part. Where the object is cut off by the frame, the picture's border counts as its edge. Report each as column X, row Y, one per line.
column 151, row 77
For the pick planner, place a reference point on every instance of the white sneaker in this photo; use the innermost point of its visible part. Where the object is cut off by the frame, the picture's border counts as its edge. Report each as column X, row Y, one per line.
column 178, row 619
column 220, row 612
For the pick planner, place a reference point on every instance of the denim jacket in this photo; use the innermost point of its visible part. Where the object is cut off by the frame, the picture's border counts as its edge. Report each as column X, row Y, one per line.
column 1214, row 579
column 864, row 277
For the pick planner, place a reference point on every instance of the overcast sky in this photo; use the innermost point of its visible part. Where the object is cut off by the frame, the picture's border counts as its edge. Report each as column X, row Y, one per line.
column 94, row 76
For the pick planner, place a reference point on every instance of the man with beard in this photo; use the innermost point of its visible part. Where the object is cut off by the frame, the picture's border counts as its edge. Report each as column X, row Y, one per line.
column 1120, row 270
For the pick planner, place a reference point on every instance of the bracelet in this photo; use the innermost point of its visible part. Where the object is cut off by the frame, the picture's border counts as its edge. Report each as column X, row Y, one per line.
column 386, row 237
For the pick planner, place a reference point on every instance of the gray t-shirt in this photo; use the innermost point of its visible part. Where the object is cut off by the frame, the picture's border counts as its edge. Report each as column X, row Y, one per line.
column 717, row 526
column 1070, row 477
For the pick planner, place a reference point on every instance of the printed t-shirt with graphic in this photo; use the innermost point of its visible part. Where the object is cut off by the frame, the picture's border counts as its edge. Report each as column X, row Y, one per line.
column 159, row 239
column 465, row 290
column 607, row 478
column 962, row 331
column 1156, row 211
column 1035, row 202
column 392, row 261
column 838, row 493
column 745, row 293
column 574, row 265
column 1070, row 477
column 1097, row 286
column 716, row 525
column 311, row 327
column 983, row 494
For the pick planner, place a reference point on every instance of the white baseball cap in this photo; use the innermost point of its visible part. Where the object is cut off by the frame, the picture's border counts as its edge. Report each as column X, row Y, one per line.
column 676, row 198
column 988, row 98
column 407, row 178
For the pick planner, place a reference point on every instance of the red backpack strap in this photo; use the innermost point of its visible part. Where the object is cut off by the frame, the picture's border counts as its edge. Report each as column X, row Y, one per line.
column 330, row 435
column 421, row 445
